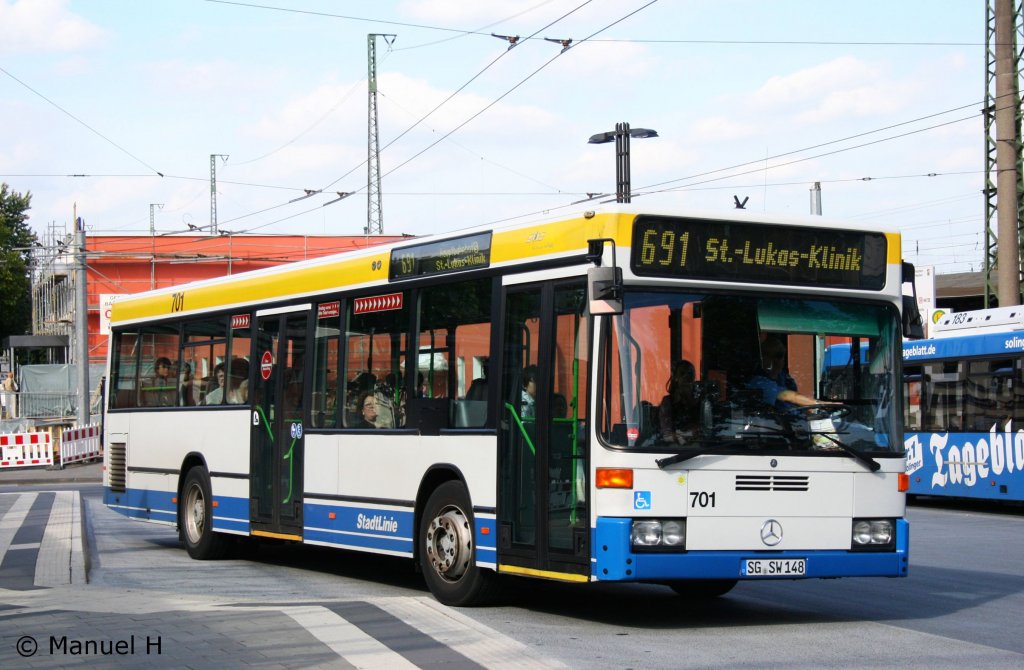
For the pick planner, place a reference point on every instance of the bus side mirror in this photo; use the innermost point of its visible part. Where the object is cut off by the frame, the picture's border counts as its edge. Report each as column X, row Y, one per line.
column 913, row 325
column 604, row 289
column 604, row 283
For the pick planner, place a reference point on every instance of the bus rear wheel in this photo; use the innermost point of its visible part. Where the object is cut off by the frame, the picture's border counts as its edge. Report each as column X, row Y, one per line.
column 703, row 588
column 195, row 517
column 447, row 550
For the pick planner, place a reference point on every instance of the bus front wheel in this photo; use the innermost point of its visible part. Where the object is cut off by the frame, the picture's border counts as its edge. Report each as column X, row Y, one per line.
column 446, row 551
column 195, row 517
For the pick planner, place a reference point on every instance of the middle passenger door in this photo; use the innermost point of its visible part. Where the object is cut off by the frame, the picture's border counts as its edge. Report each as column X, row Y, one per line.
column 543, row 512
column 277, row 402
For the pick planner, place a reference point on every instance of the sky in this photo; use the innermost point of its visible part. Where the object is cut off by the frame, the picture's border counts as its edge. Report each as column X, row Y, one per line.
column 878, row 101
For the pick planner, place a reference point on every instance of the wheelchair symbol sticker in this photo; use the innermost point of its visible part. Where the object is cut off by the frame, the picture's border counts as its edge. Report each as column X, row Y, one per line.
column 296, row 430
column 641, row 500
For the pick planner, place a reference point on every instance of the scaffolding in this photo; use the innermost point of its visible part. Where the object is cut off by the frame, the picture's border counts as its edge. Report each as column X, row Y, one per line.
column 53, row 284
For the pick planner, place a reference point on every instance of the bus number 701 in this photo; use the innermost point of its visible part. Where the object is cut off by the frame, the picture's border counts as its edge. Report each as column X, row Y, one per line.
column 702, row 499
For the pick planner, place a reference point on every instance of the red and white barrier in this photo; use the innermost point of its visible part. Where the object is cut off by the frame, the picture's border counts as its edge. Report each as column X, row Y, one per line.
column 80, row 444
column 25, row 449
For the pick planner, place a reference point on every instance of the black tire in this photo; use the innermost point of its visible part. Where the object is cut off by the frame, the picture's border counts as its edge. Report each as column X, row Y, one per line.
column 703, row 588
column 195, row 518
column 447, row 552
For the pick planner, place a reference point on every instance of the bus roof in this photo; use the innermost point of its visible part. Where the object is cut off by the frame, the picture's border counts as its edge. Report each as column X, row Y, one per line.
column 992, row 320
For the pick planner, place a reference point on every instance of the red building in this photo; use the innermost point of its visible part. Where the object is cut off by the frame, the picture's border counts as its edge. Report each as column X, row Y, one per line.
column 123, row 264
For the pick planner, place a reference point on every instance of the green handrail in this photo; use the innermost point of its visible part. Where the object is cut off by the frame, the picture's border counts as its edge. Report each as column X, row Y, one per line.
column 522, row 429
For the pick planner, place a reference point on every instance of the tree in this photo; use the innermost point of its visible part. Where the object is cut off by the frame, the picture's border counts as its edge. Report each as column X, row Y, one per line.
column 16, row 239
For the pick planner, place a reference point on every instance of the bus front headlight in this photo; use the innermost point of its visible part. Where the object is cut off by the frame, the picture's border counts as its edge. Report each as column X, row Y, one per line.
column 655, row 534
column 873, row 534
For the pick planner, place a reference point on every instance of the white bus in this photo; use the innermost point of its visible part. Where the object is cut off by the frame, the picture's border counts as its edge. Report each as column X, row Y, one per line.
column 500, row 401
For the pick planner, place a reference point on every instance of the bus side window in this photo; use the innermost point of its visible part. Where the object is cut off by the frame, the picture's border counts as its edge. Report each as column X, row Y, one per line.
column 327, row 337
column 453, row 350
column 124, row 382
column 159, row 383
column 374, row 349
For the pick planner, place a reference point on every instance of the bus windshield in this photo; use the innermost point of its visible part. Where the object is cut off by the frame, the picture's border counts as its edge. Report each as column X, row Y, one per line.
column 693, row 373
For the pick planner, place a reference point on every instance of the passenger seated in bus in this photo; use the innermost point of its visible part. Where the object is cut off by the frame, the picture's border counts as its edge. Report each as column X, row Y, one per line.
column 529, row 394
column 160, row 390
column 559, row 406
column 238, row 384
column 772, row 380
column 215, row 395
column 679, row 411
column 478, row 389
column 186, row 386
column 367, row 405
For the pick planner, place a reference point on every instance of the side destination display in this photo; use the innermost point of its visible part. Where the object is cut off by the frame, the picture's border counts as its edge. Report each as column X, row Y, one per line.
column 458, row 254
column 731, row 251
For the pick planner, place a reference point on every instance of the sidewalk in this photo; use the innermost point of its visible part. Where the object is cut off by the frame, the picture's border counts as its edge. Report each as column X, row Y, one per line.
column 72, row 473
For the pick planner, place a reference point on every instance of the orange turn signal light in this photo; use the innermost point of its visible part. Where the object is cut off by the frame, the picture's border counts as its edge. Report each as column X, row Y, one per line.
column 903, row 482
column 614, row 478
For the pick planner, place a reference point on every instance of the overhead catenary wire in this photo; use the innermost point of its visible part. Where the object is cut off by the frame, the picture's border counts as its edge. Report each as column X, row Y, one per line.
column 483, row 31
column 267, row 185
column 450, row 97
column 86, row 125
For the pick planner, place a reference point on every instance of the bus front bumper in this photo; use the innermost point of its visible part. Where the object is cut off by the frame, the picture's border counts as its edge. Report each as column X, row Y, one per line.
column 614, row 559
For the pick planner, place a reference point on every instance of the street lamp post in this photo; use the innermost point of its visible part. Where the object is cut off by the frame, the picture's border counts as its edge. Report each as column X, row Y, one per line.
column 621, row 135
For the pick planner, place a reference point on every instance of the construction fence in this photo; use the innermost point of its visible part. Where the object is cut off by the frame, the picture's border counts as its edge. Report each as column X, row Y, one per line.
column 54, row 446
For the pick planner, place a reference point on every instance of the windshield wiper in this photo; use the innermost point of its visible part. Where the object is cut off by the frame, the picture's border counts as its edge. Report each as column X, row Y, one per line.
column 739, row 443
column 867, row 461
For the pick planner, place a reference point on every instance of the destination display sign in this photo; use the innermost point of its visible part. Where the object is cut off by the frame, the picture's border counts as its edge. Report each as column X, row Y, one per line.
column 458, row 254
column 752, row 252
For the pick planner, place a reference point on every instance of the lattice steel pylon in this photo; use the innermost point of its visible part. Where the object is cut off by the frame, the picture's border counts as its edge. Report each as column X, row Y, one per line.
column 1009, row 91
column 374, row 210
column 213, row 191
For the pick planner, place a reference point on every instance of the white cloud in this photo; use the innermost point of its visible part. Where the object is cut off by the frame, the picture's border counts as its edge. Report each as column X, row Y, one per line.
column 327, row 107
column 43, row 25
column 810, row 83
column 719, row 128
column 614, row 63
column 221, row 77
column 840, row 88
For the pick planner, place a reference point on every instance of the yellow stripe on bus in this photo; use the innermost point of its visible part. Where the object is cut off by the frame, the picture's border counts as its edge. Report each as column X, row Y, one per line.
column 276, row 536
column 547, row 574
column 520, row 244
column 247, row 289
column 894, row 255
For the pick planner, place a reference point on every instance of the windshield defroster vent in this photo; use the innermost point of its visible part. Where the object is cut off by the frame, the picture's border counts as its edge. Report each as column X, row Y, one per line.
column 772, row 482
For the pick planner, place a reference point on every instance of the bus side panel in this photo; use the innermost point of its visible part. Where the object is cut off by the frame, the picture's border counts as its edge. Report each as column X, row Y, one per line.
column 967, row 465
column 361, row 488
column 156, row 444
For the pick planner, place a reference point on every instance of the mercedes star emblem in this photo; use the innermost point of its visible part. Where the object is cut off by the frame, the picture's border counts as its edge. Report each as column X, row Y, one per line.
column 771, row 532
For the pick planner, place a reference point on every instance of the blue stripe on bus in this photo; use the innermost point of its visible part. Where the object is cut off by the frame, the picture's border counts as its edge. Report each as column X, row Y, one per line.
column 230, row 514
column 615, row 561
column 399, row 545
column 963, row 346
column 358, row 521
column 385, row 522
column 370, row 528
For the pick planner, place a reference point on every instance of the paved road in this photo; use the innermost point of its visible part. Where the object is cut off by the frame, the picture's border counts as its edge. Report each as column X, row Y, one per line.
column 312, row 607
column 141, row 606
